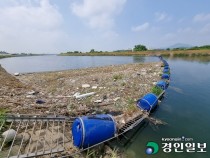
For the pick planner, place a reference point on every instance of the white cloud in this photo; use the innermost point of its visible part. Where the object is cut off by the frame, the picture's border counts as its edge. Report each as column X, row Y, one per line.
column 205, row 29
column 185, row 30
column 30, row 26
column 98, row 14
column 191, row 35
column 201, row 17
column 169, row 36
column 110, row 35
column 140, row 27
column 162, row 16
column 42, row 17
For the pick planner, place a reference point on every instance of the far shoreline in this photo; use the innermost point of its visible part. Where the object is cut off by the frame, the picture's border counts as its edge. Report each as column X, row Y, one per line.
column 165, row 53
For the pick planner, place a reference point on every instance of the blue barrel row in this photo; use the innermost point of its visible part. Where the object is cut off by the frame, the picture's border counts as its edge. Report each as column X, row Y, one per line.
column 166, row 69
column 149, row 101
column 91, row 130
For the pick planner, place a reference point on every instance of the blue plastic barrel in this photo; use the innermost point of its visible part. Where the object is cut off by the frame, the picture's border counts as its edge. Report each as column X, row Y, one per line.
column 165, row 63
column 148, row 102
column 90, row 130
column 166, row 70
column 165, row 76
column 166, row 67
column 162, row 84
column 160, row 57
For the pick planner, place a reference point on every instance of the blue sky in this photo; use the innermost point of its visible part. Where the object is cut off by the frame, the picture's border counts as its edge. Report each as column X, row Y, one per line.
column 54, row 26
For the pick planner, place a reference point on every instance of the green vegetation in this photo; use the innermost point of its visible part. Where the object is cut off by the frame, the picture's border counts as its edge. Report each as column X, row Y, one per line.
column 74, row 52
column 139, row 48
column 123, row 84
column 123, row 50
column 156, row 90
column 165, row 55
column 200, row 48
column 5, row 56
column 117, row 76
column 180, row 54
column 168, row 72
column 2, row 118
column 130, row 101
column 205, row 47
column 178, row 49
column 2, row 115
column 92, row 51
column 185, row 53
column 130, row 106
column 199, row 54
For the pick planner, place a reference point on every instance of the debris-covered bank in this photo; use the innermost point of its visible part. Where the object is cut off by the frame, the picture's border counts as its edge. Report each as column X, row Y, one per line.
column 110, row 89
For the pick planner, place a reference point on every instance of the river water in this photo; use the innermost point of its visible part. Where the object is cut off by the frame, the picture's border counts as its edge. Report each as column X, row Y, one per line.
column 56, row 63
column 185, row 108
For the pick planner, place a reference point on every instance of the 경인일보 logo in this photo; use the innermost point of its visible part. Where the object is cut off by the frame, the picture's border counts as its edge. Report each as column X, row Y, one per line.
column 152, row 148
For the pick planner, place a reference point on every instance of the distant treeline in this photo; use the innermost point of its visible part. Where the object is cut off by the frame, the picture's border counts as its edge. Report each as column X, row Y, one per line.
column 123, row 50
column 137, row 48
column 200, row 48
column 70, row 52
column 191, row 48
column 3, row 52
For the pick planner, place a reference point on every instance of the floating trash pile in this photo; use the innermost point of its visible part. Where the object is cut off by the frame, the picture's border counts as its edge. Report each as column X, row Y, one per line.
column 90, row 130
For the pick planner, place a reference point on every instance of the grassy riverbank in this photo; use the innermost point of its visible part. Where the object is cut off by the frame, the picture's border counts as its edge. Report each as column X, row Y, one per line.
column 6, row 56
column 169, row 53
column 18, row 55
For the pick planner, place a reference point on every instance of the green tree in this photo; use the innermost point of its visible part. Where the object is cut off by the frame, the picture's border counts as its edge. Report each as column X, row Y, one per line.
column 92, row 51
column 139, row 48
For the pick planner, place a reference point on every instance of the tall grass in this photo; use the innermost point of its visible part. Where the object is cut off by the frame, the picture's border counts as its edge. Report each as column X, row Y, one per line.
column 156, row 90
column 2, row 119
column 2, row 115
